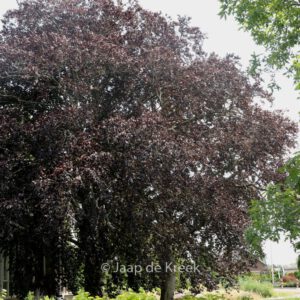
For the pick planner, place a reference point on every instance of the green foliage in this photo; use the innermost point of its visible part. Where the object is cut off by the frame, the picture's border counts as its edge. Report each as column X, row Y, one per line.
column 30, row 296
column 48, row 298
column 265, row 277
column 188, row 297
column 156, row 291
column 273, row 24
column 212, row 296
column 142, row 295
column 3, row 294
column 264, row 289
column 297, row 247
column 290, row 284
column 204, row 296
column 279, row 209
column 83, row 295
column 254, row 241
column 278, row 212
column 245, row 297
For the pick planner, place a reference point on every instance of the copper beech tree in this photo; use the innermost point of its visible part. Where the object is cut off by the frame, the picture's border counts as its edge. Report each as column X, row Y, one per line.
column 121, row 141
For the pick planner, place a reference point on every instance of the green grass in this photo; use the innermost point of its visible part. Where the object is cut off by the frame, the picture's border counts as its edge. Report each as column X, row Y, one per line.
column 265, row 289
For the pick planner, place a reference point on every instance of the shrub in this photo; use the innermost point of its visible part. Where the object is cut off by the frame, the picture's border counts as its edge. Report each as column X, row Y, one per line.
column 3, row 294
column 188, row 297
column 212, row 296
column 290, row 280
column 30, row 296
column 263, row 277
column 156, row 291
column 245, row 297
column 290, row 284
column 83, row 295
column 204, row 296
column 265, row 289
column 48, row 298
column 125, row 295
column 142, row 295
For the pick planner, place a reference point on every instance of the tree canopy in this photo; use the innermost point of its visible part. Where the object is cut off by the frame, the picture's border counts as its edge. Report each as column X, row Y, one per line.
column 273, row 24
column 122, row 141
column 278, row 211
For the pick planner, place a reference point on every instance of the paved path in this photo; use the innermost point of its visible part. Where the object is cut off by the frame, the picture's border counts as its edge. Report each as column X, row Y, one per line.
column 285, row 297
column 295, row 293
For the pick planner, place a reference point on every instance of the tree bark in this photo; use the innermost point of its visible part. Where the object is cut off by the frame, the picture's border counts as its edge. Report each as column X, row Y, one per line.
column 37, row 294
column 168, row 286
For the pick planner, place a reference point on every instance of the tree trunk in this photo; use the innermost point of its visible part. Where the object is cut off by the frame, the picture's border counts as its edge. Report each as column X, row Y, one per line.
column 168, row 286
column 37, row 294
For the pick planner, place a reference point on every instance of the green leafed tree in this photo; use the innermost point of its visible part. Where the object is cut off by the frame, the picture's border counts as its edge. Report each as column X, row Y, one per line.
column 278, row 213
column 273, row 24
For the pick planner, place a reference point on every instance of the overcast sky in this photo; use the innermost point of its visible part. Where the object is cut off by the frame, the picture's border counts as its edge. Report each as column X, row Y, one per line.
column 224, row 37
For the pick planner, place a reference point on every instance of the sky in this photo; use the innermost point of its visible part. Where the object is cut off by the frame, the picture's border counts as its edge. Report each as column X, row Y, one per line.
column 223, row 37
